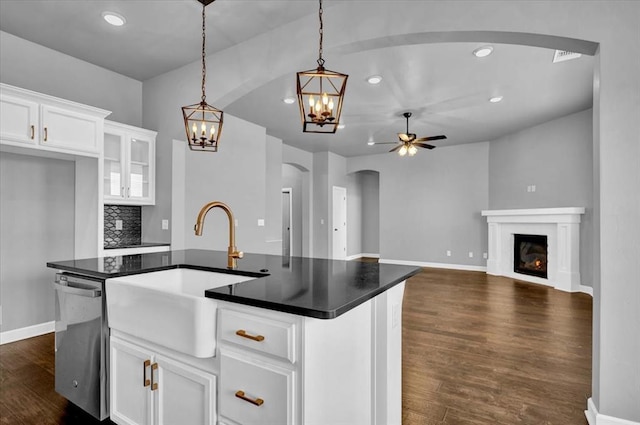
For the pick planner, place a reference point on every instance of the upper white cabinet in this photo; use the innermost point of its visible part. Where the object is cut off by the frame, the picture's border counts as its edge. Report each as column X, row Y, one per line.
column 129, row 164
column 30, row 120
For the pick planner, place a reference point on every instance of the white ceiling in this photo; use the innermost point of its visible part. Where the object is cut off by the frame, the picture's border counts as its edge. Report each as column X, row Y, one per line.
column 443, row 84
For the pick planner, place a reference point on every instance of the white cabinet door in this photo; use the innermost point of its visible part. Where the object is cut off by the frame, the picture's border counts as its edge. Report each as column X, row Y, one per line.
column 185, row 395
column 69, row 130
column 254, row 392
column 140, row 171
column 18, row 120
column 130, row 379
column 129, row 164
column 114, row 166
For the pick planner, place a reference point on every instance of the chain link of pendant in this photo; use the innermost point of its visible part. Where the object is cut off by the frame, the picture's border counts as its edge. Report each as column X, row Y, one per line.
column 204, row 62
column 320, row 60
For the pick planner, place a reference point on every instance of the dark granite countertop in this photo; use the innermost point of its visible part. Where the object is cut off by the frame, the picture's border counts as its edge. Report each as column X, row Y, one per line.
column 311, row 287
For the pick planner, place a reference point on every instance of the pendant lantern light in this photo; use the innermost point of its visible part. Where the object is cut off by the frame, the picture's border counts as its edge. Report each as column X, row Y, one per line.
column 203, row 122
column 320, row 94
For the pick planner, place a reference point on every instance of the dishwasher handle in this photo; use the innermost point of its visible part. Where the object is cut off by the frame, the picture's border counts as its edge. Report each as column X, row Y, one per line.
column 77, row 289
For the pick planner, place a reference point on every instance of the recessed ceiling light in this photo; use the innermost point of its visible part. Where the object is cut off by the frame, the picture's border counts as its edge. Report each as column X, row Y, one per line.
column 371, row 143
column 374, row 79
column 483, row 51
column 114, row 19
column 495, row 99
column 288, row 100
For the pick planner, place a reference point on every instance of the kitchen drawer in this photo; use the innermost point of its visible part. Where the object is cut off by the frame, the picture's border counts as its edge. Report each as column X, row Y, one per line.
column 267, row 388
column 261, row 334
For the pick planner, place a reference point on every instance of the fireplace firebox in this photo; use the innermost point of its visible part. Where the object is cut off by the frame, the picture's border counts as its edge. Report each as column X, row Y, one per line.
column 530, row 255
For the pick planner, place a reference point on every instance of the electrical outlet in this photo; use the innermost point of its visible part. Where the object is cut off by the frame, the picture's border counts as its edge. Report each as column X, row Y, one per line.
column 322, row 221
column 470, row 254
column 118, row 224
column 448, row 253
column 533, row 187
column 484, row 255
column 165, row 224
column 260, row 222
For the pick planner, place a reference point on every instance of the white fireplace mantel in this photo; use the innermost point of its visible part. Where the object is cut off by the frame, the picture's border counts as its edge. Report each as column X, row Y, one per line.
column 561, row 226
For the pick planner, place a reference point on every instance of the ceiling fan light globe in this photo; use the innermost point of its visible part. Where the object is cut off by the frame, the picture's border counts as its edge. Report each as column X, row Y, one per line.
column 412, row 150
column 402, row 151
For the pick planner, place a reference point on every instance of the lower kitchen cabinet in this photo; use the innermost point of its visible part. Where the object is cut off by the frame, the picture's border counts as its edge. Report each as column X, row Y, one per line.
column 150, row 388
column 254, row 392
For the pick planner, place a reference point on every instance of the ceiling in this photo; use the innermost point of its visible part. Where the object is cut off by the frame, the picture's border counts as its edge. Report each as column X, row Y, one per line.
column 443, row 84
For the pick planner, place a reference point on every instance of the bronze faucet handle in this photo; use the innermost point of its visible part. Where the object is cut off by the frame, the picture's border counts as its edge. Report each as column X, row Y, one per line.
column 237, row 254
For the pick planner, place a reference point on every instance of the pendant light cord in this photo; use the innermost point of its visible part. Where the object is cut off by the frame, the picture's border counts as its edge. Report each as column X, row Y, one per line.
column 320, row 60
column 204, row 63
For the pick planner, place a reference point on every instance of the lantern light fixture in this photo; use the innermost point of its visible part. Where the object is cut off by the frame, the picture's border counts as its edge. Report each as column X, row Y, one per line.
column 203, row 122
column 320, row 94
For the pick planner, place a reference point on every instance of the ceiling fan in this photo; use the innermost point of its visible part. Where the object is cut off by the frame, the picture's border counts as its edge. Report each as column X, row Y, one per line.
column 407, row 142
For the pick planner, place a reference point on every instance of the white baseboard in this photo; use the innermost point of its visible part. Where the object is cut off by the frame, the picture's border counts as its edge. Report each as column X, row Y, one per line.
column 595, row 418
column 435, row 265
column 364, row 255
column 26, row 332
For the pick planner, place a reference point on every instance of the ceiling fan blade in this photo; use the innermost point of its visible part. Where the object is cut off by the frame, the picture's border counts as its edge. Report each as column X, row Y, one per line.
column 404, row 137
column 386, row 143
column 426, row 139
column 396, row 148
column 423, row 145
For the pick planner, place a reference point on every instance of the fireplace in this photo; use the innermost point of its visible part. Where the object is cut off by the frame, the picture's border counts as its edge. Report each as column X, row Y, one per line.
column 561, row 229
column 530, row 255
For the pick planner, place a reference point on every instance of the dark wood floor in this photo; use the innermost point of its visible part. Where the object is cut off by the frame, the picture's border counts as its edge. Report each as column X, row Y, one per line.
column 477, row 350
column 486, row 350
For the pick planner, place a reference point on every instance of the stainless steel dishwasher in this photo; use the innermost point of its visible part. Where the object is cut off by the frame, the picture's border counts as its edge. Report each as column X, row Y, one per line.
column 82, row 343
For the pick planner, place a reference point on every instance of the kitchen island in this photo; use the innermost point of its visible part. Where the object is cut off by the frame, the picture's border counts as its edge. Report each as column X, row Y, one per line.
column 299, row 341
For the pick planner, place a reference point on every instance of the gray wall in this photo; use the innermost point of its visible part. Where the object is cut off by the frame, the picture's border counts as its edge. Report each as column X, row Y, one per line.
column 363, row 213
column 238, row 183
column 273, row 201
column 354, row 214
column 34, row 67
column 431, row 203
column 370, row 212
column 292, row 178
column 37, row 210
column 556, row 157
column 38, row 221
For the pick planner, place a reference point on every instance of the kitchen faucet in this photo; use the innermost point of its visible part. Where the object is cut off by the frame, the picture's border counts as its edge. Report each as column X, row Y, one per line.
column 233, row 253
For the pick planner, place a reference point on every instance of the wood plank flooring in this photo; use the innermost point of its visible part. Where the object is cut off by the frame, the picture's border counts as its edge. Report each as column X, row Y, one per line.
column 486, row 350
column 477, row 350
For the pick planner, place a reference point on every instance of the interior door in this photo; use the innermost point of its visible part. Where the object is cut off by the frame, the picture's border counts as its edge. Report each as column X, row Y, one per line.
column 286, row 222
column 339, row 223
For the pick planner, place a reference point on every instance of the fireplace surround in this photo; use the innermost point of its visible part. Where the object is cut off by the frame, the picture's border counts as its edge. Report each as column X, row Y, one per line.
column 560, row 226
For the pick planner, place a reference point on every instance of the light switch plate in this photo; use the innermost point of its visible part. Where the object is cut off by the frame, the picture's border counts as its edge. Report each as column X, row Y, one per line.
column 260, row 222
column 165, row 224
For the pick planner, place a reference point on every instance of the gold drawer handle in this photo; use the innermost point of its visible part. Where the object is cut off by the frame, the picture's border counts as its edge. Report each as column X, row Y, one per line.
column 145, row 381
column 46, row 134
column 257, row 402
column 154, row 385
column 33, row 132
column 244, row 334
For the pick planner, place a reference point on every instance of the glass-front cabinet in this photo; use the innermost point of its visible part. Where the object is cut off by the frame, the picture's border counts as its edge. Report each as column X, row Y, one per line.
column 129, row 164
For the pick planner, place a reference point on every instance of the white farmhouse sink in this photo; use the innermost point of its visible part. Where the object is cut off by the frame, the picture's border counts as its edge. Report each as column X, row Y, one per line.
column 168, row 308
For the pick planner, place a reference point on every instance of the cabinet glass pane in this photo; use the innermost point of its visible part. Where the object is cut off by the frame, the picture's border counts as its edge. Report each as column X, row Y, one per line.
column 113, row 165
column 139, row 169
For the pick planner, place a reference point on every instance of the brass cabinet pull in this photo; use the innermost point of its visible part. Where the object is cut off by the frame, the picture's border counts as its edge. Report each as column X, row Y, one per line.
column 154, row 385
column 244, row 334
column 257, row 402
column 33, row 132
column 145, row 381
column 46, row 134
